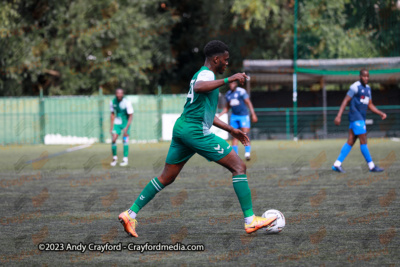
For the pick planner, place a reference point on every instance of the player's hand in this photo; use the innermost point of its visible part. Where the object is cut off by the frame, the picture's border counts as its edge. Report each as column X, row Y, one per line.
column 254, row 118
column 111, row 130
column 124, row 131
column 240, row 77
column 241, row 136
column 337, row 120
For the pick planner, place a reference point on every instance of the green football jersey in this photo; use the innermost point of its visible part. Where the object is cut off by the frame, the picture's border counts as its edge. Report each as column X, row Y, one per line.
column 201, row 107
column 122, row 109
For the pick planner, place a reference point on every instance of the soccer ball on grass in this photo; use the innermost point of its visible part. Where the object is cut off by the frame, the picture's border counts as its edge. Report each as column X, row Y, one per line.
column 278, row 225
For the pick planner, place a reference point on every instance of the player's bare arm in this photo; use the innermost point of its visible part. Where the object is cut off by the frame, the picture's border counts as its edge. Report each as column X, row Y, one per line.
column 345, row 101
column 236, row 133
column 254, row 118
column 375, row 110
column 112, row 121
column 207, row 86
column 225, row 110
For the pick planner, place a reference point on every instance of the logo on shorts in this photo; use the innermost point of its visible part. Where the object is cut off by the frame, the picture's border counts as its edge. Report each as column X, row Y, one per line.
column 220, row 150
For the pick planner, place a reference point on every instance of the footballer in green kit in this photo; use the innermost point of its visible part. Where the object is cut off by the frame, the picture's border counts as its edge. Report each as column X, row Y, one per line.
column 121, row 119
column 191, row 134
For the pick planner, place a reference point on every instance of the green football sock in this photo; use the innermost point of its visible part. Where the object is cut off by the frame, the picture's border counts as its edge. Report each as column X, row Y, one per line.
column 243, row 193
column 147, row 194
column 114, row 149
column 126, row 150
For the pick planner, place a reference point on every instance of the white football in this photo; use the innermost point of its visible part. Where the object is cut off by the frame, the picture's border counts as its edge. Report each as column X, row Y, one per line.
column 279, row 224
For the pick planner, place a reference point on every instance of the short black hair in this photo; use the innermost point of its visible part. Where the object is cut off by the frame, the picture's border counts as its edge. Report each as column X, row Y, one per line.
column 362, row 70
column 215, row 47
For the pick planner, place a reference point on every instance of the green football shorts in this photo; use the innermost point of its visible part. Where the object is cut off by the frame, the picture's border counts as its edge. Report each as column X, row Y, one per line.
column 188, row 138
column 117, row 129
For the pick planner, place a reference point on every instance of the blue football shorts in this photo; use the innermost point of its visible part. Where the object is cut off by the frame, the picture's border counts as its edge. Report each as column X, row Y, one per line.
column 358, row 127
column 240, row 121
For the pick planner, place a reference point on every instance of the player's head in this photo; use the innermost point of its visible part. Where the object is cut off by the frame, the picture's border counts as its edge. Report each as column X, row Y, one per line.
column 233, row 85
column 364, row 76
column 119, row 94
column 217, row 53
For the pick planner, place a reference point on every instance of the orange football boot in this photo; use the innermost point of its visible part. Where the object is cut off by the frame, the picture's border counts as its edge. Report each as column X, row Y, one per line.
column 128, row 223
column 258, row 223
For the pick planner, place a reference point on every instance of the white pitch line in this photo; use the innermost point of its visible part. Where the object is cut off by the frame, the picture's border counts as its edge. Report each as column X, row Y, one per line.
column 71, row 149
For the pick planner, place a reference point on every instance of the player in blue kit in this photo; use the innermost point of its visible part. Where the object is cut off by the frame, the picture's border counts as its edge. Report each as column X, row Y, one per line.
column 360, row 100
column 238, row 99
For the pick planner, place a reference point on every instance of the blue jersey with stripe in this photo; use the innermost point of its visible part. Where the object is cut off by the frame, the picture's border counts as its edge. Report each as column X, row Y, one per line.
column 360, row 97
column 236, row 101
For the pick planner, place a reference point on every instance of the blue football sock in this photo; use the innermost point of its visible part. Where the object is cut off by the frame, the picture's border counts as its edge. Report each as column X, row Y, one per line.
column 247, row 149
column 236, row 149
column 344, row 152
column 365, row 152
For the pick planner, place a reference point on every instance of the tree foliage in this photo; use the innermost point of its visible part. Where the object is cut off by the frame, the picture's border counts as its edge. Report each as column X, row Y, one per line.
column 75, row 46
column 323, row 32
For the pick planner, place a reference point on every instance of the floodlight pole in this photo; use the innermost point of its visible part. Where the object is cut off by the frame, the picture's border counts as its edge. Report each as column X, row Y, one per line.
column 295, row 72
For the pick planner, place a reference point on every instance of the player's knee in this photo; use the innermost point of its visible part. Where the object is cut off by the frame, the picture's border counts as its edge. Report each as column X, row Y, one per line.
column 164, row 180
column 363, row 139
column 125, row 139
column 351, row 141
column 239, row 169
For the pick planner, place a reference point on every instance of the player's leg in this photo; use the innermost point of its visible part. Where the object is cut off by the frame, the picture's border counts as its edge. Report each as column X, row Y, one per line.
column 128, row 217
column 245, row 126
column 247, row 149
column 155, row 185
column 240, row 184
column 217, row 149
column 125, row 141
column 337, row 166
column 235, row 146
column 178, row 155
column 235, row 123
column 367, row 156
column 114, row 138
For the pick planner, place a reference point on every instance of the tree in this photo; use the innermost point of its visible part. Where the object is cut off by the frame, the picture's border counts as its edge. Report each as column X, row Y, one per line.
column 257, row 31
column 75, row 46
column 323, row 33
column 70, row 47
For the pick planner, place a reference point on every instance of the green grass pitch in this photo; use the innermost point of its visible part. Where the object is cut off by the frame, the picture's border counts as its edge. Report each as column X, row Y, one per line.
column 331, row 219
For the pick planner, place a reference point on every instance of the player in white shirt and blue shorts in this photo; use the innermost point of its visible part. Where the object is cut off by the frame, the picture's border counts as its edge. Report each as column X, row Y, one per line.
column 360, row 99
column 238, row 100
